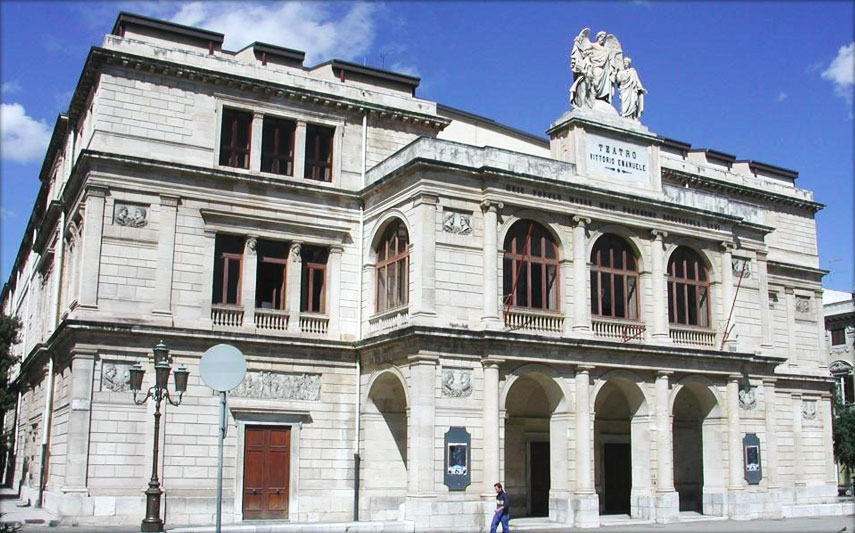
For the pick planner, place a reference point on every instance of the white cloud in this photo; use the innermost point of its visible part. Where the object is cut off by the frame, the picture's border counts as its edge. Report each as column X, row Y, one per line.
column 22, row 139
column 6, row 214
column 308, row 26
column 841, row 72
column 11, row 87
column 782, row 96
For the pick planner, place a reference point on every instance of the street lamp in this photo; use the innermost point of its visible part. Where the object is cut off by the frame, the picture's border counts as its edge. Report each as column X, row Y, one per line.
column 152, row 521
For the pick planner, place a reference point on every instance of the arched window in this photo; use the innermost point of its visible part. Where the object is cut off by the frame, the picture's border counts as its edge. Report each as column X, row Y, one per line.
column 843, row 375
column 614, row 279
column 530, row 267
column 392, row 268
column 688, row 289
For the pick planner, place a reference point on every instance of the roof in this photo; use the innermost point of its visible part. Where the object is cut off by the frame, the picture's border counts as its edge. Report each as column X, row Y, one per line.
column 277, row 51
column 148, row 22
column 440, row 108
column 347, row 66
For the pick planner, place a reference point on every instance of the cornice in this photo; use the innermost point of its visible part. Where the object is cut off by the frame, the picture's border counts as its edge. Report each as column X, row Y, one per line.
column 99, row 57
column 706, row 182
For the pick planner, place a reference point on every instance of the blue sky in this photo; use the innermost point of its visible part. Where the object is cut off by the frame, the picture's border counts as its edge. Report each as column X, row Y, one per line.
column 768, row 81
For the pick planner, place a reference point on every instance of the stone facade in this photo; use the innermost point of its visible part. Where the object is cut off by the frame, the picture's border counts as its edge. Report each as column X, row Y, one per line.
column 402, row 305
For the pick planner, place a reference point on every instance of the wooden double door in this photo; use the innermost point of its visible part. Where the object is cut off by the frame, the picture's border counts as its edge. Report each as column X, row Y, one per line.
column 266, row 471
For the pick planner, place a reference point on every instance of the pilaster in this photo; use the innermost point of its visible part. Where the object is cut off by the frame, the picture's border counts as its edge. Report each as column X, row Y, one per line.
column 292, row 283
column 420, row 464
column 93, row 228
column 490, row 315
column 165, row 254
column 667, row 499
column 491, row 426
column 423, row 265
column 80, row 405
column 727, row 302
column 765, row 313
column 798, row 443
column 734, row 442
column 770, row 464
column 300, row 149
column 585, row 500
column 333, row 307
column 255, row 142
column 660, row 333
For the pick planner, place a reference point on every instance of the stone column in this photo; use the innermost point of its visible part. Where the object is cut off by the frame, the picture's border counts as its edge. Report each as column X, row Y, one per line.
column 765, row 313
column 420, row 442
column 249, row 268
column 581, row 307
column 559, row 466
column 727, row 303
column 80, row 402
column 770, row 461
column 333, row 306
column 734, row 442
column 490, row 315
column 255, row 142
column 491, row 426
column 293, row 285
column 300, row 149
column 90, row 264
column 798, row 445
column 587, row 503
column 165, row 255
column 423, row 265
column 660, row 296
column 667, row 499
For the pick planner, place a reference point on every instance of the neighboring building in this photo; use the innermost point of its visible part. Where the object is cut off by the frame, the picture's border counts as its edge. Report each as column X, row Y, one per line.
column 839, row 311
column 608, row 321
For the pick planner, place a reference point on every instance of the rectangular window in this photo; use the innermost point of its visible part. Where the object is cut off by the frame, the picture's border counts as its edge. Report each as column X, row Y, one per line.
column 277, row 146
column 272, row 273
column 235, row 138
column 838, row 337
column 228, row 254
column 319, row 152
column 313, row 286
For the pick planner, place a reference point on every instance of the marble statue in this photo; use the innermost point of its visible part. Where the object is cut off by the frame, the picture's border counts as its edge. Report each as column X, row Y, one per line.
column 598, row 66
column 631, row 91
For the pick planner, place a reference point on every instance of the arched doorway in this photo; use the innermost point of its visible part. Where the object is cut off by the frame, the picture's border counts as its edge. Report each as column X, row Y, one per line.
column 383, row 441
column 697, row 447
column 621, row 445
column 535, row 452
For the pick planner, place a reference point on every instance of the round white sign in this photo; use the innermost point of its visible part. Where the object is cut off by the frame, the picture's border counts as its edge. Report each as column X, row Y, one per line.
column 222, row 367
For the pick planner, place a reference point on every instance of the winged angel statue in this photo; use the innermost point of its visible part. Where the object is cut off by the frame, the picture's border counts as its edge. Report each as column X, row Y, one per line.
column 597, row 66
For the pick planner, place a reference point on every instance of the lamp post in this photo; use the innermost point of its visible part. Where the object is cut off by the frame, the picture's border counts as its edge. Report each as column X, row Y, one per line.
column 152, row 520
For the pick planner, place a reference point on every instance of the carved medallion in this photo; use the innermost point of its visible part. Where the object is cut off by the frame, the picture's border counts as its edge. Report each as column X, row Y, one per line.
column 115, row 376
column 747, row 400
column 456, row 383
column 275, row 386
column 457, row 223
column 132, row 216
column 809, row 409
column 803, row 305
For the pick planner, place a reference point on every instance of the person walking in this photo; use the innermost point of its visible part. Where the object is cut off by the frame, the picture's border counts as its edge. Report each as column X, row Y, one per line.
column 502, row 513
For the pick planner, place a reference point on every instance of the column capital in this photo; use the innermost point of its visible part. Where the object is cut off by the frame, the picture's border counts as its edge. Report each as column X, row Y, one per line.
column 726, row 246
column 796, row 395
column 761, row 255
column 250, row 244
column 658, row 234
column 770, row 382
column 423, row 359
column 789, row 290
column 664, row 374
column 578, row 220
column 491, row 361
column 96, row 191
column 295, row 251
column 734, row 378
column 491, row 205
column 337, row 249
column 169, row 200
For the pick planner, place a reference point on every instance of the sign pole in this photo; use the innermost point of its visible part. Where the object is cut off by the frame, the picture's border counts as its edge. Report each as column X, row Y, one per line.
column 222, row 434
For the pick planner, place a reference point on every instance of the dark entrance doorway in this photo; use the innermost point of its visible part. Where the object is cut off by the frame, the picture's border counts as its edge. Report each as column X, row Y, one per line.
column 539, row 478
column 689, row 470
column 617, row 477
column 266, row 470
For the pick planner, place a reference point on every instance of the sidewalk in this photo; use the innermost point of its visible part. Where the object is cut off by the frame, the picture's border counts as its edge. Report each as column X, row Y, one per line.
column 14, row 510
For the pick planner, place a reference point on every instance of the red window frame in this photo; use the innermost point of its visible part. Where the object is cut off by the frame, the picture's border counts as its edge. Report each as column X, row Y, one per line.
column 234, row 152
column 318, row 138
column 688, row 289
column 224, row 260
column 392, row 268
column 522, row 267
column 314, row 271
column 277, row 146
column 606, row 278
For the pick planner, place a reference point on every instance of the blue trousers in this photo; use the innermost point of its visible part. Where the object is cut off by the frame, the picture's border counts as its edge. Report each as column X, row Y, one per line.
column 500, row 517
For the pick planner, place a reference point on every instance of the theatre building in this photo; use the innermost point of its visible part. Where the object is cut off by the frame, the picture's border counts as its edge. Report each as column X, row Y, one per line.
column 608, row 321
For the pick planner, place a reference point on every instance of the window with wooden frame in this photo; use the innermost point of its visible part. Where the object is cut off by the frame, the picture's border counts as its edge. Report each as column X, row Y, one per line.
column 313, row 284
column 272, row 274
column 614, row 279
column 688, row 289
column 235, row 138
column 319, row 152
column 392, row 268
column 277, row 146
column 530, row 277
column 228, row 255
column 838, row 336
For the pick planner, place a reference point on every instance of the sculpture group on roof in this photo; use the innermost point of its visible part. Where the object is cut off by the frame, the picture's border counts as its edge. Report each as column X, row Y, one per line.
column 598, row 66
